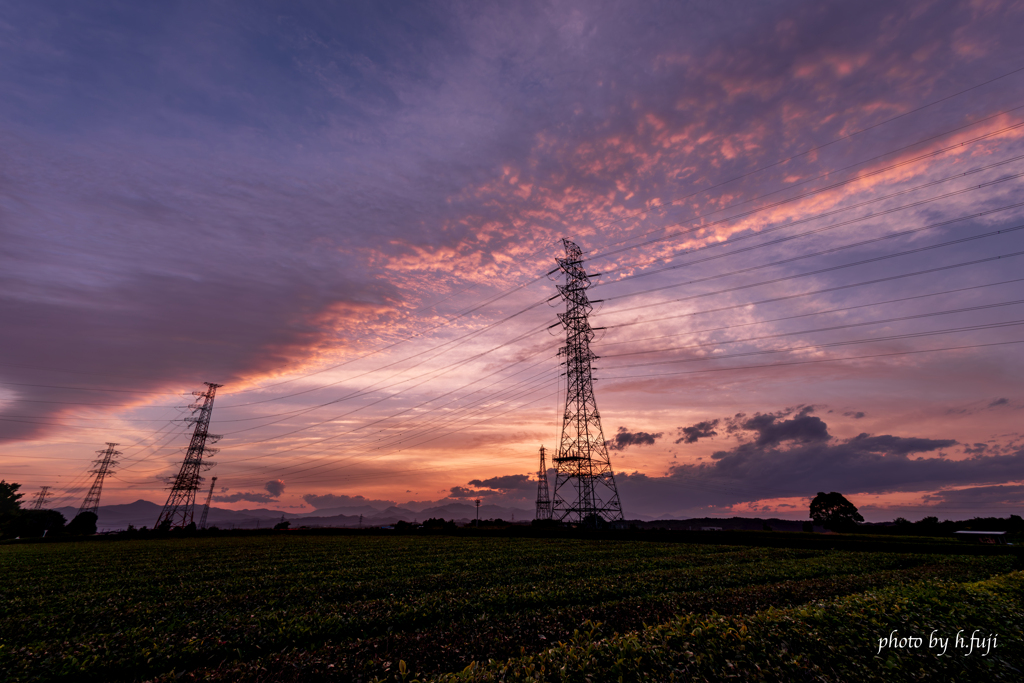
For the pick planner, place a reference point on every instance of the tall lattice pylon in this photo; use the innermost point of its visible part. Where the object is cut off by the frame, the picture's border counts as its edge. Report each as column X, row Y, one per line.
column 40, row 498
column 206, row 508
column 104, row 464
column 179, row 510
column 585, row 490
column 543, row 496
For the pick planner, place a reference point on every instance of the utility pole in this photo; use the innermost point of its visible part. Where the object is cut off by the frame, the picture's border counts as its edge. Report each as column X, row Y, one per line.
column 585, row 490
column 179, row 510
column 103, row 466
column 41, row 495
column 478, row 513
column 206, row 508
column 543, row 496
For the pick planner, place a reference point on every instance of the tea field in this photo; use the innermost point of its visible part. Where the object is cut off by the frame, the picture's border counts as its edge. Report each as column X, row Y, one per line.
column 289, row 607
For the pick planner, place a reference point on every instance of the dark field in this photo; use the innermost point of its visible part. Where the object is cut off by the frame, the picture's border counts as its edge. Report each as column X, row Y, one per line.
column 288, row 607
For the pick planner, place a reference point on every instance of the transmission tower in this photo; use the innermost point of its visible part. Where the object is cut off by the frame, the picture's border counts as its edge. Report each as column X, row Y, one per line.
column 206, row 508
column 584, row 484
column 179, row 510
column 543, row 497
column 40, row 499
column 103, row 466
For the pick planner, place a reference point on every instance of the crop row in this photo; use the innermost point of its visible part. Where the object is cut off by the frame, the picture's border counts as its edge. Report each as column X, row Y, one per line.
column 298, row 605
column 892, row 634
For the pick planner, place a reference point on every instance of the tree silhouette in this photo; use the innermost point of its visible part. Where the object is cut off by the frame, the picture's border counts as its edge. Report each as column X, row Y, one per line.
column 10, row 505
column 84, row 524
column 35, row 523
column 834, row 512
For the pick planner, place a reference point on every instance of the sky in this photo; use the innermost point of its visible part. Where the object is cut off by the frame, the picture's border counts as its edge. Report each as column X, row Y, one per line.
column 804, row 220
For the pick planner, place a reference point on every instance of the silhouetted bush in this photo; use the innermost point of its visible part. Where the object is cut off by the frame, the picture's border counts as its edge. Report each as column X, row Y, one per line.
column 438, row 523
column 545, row 524
column 84, row 524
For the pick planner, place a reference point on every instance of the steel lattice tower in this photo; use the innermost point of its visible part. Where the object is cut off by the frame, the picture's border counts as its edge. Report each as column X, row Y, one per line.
column 584, row 484
column 206, row 508
column 543, row 497
column 179, row 511
column 37, row 504
column 103, row 466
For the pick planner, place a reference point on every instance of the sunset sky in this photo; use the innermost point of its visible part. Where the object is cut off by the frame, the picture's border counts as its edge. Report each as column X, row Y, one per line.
column 808, row 219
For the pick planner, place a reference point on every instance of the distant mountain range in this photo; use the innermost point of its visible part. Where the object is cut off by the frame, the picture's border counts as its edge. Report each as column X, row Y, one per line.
column 143, row 513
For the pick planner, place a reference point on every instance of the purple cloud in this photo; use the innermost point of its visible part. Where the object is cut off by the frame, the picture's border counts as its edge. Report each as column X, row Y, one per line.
column 625, row 438
column 511, row 482
column 330, row 500
column 248, row 497
column 275, row 487
column 696, row 432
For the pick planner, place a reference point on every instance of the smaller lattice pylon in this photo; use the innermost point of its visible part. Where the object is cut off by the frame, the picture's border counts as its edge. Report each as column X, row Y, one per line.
column 543, row 496
column 40, row 499
column 206, row 508
column 103, row 466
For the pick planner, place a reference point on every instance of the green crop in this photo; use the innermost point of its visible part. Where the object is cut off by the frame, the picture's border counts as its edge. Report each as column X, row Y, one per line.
column 348, row 608
column 833, row 640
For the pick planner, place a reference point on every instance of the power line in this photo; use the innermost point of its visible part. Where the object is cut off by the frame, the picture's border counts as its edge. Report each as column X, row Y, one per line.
column 819, row 360
column 424, row 378
column 787, row 297
column 461, row 314
column 831, row 328
column 847, row 342
column 836, row 249
column 490, row 418
column 824, row 175
column 825, row 214
column 365, row 425
column 511, row 290
column 460, row 339
column 792, row 317
column 338, row 463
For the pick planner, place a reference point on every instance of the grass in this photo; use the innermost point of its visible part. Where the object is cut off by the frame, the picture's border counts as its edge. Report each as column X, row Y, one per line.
column 289, row 607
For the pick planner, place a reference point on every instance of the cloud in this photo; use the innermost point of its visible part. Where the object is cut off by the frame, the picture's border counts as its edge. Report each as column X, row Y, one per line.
column 624, row 438
column 511, row 489
column 701, row 430
column 896, row 445
column 330, row 500
column 511, row 482
column 797, row 457
column 770, row 431
column 855, row 415
column 250, row 497
column 274, row 487
column 999, row 402
column 975, row 497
